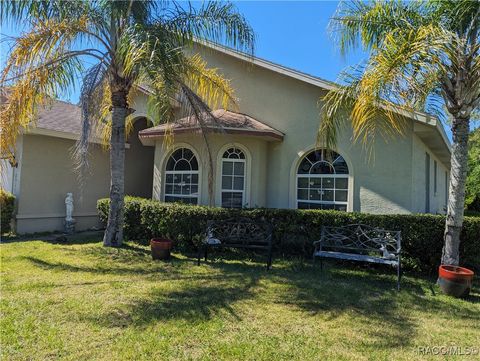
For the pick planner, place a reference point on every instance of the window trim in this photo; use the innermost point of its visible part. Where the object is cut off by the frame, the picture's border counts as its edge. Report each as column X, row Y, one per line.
column 167, row 156
column 222, row 190
column 427, row 182
column 293, row 199
column 447, row 186
column 246, row 177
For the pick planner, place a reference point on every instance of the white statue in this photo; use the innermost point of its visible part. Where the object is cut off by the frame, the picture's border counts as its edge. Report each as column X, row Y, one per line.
column 69, row 206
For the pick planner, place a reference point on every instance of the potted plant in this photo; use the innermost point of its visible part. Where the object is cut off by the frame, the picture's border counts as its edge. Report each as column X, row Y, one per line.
column 160, row 248
column 454, row 280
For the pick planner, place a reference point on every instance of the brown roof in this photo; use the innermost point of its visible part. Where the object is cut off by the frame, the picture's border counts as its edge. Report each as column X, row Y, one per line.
column 57, row 116
column 60, row 116
column 225, row 122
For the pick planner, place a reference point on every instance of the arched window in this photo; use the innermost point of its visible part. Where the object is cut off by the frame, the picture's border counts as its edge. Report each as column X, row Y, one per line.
column 322, row 181
column 181, row 177
column 233, row 178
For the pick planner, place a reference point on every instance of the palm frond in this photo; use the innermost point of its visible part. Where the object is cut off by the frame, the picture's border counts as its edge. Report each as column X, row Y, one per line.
column 94, row 86
column 208, row 84
column 366, row 23
column 215, row 21
column 202, row 114
column 31, row 92
column 19, row 10
column 401, row 75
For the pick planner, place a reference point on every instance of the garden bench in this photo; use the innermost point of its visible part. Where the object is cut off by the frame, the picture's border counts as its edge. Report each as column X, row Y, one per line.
column 359, row 242
column 240, row 233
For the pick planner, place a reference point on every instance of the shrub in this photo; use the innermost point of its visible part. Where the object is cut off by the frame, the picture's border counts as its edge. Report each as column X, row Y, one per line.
column 296, row 230
column 7, row 204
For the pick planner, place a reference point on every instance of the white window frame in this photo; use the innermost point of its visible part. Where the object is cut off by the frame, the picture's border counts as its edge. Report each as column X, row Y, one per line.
column 247, row 174
column 333, row 176
column 174, row 172
column 234, row 160
column 348, row 177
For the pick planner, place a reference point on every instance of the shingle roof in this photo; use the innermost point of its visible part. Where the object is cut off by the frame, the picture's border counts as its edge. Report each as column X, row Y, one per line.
column 60, row 116
column 225, row 122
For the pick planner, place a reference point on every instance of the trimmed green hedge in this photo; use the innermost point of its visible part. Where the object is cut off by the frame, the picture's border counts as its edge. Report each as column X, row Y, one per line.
column 7, row 204
column 296, row 230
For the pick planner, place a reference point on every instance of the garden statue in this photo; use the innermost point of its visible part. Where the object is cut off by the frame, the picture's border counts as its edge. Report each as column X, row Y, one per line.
column 385, row 253
column 69, row 206
column 69, row 221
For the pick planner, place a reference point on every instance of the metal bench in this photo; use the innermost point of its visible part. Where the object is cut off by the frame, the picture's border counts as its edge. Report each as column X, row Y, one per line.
column 238, row 233
column 359, row 242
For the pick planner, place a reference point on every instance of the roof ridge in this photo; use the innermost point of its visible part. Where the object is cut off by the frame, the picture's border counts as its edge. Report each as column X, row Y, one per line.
column 66, row 102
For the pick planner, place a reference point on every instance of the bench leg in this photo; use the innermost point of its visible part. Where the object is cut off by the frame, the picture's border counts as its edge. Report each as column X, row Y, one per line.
column 399, row 275
column 206, row 253
column 269, row 260
column 199, row 255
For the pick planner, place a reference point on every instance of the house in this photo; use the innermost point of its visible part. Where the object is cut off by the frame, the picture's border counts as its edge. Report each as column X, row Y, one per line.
column 263, row 154
column 44, row 172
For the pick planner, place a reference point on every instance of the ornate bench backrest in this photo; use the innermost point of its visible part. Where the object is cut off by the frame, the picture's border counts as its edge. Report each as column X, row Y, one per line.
column 360, row 238
column 241, row 231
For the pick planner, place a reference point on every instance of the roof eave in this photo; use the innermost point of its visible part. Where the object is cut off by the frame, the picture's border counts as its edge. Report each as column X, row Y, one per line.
column 146, row 137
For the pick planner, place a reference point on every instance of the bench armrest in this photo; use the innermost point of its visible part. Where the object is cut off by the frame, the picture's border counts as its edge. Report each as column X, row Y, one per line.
column 317, row 245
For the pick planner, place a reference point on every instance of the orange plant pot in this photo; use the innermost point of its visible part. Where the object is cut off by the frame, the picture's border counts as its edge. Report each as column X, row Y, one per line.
column 160, row 248
column 455, row 281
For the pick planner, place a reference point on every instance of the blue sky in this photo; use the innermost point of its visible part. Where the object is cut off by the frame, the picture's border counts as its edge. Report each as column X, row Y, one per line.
column 295, row 34
column 291, row 33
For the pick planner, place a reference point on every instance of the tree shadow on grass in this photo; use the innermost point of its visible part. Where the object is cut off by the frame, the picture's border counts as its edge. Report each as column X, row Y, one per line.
column 157, row 271
column 369, row 293
column 387, row 317
column 194, row 303
column 326, row 295
column 79, row 238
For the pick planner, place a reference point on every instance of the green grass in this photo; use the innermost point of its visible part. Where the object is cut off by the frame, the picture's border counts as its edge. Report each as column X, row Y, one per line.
column 80, row 301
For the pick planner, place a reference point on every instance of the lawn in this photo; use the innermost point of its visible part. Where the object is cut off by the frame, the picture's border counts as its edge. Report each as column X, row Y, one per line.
column 80, row 301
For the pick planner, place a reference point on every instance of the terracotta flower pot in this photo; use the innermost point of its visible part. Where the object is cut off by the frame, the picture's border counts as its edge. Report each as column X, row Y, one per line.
column 161, row 248
column 455, row 281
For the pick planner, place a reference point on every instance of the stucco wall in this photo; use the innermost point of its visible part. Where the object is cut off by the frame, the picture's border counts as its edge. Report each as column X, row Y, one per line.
column 256, row 168
column 47, row 174
column 381, row 183
column 438, row 200
column 138, row 164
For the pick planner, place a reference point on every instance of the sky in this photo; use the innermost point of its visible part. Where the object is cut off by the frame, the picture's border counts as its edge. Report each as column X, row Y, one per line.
column 295, row 34
column 290, row 33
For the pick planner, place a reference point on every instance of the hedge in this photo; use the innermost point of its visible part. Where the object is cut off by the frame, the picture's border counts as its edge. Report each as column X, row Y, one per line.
column 7, row 204
column 296, row 230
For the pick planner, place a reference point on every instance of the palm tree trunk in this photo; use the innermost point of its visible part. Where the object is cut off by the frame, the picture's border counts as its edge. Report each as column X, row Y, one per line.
column 114, row 232
column 456, row 197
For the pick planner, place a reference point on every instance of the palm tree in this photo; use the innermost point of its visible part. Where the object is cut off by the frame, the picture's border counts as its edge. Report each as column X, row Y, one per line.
column 133, row 44
column 423, row 55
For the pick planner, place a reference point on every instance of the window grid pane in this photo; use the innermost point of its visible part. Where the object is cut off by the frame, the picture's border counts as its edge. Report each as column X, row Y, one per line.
column 233, row 178
column 232, row 199
column 181, row 177
column 322, row 188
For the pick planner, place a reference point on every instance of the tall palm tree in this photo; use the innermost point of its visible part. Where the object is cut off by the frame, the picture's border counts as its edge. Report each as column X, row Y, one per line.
column 133, row 44
column 423, row 55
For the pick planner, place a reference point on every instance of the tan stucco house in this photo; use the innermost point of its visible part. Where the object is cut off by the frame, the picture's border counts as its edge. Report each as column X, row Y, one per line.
column 264, row 154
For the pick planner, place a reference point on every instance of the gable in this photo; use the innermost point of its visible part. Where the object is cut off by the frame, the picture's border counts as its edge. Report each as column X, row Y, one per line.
column 428, row 127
